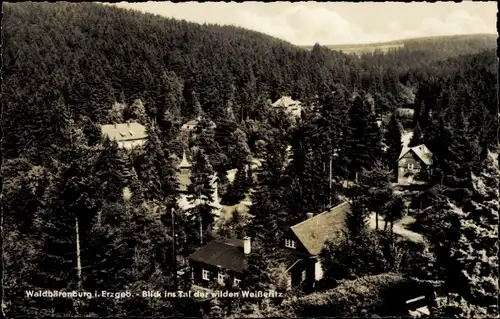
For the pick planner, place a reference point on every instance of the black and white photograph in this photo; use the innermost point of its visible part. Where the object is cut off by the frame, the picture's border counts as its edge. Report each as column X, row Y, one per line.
column 249, row 160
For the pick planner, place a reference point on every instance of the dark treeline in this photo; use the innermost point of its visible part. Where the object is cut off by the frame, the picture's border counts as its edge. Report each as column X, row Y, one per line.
column 70, row 67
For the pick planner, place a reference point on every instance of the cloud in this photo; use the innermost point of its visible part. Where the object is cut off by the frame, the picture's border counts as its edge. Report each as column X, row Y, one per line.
column 302, row 24
column 456, row 22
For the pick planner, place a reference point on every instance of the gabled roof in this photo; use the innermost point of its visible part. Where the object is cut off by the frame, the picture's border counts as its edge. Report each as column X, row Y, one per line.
column 224, row 253
column 315, row 231
column 421, row 151
column 124, row 131
column 285, row 101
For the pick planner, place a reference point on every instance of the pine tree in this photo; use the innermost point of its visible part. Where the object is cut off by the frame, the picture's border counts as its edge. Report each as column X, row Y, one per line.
column 200, row 191
column 113, row 170
column 64, row 226
column 237, row 190
column 157, row 171
column 416, row 138
column 363, row 141
column 373, row 189
column 392, row 138
column 462, row 155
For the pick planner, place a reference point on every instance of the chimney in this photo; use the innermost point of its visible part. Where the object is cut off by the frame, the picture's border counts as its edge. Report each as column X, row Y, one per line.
column 114, row 124
column 309, row 215
column 128, row 123
column 247, row 245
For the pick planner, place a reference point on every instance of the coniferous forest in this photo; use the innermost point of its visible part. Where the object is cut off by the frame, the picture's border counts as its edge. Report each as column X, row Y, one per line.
column 81, row 214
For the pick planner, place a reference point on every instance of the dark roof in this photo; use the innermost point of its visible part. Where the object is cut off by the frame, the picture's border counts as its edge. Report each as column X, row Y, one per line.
column 224, row 253
column 315, row 231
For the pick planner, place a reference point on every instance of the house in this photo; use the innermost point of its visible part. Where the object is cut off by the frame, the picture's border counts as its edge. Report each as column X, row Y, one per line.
column 128, row 135
column 220, row 261
column 300, row 249
column 290, row 106
column 306, row 239
column 193, row 124
column 414, row 165
column 223, row 262
column 183, row 176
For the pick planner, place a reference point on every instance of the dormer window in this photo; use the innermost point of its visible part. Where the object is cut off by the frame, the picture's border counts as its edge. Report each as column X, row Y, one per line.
column 220, row 278
column 290, row 243
column 131, row 133
column 237, row 282
column 122, row 134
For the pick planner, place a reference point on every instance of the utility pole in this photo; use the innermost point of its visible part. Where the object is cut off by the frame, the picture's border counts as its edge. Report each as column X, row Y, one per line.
column 330, row 184
column 174, row 248
column 78, row 261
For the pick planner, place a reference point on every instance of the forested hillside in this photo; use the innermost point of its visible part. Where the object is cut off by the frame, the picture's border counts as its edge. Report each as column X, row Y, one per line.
column 88, row 56
column 67, row 68
column 435, row 47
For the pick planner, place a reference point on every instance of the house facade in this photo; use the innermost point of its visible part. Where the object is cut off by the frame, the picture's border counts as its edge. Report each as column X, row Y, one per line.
column 127, row 135
column 294, row 108
column 221, row 262
column 305, row 241
column 414, row 165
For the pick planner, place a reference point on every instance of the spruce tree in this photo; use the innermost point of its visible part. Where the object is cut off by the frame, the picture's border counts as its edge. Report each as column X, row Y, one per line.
column 64, row 227
column 200, row 192
column 363, row 140
column 392, row 139
column 157, row 171
column 237, row 190
column 113, row 170
column 416, row 138
column 462, row 154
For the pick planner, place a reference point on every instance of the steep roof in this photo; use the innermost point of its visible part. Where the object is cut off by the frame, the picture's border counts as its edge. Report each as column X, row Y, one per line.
column 315, row 231
column 124, row 131
column 224, row 253
column 421, row 151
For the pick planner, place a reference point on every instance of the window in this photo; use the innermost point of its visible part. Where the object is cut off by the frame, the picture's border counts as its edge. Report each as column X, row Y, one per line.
column 290, row 243
column 303, row 275
column 205, row 275
column 410, row 166
column 220, row 278
column 237, row 282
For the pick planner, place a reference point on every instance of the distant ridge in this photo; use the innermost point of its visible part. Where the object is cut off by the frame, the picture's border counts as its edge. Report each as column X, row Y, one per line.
column 410, row 42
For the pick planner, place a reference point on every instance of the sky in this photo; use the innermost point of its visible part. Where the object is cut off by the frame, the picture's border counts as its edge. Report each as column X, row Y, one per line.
column 307, row 23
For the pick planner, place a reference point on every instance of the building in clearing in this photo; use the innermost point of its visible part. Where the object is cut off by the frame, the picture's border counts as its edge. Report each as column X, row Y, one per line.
column 127, row 135
column 193, row 124
column 290, row 106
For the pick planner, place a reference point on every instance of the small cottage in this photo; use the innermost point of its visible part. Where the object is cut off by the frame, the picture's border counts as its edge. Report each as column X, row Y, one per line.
column 220, row 261
column 290, row 106
column 306, row 239
column 414, row 165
